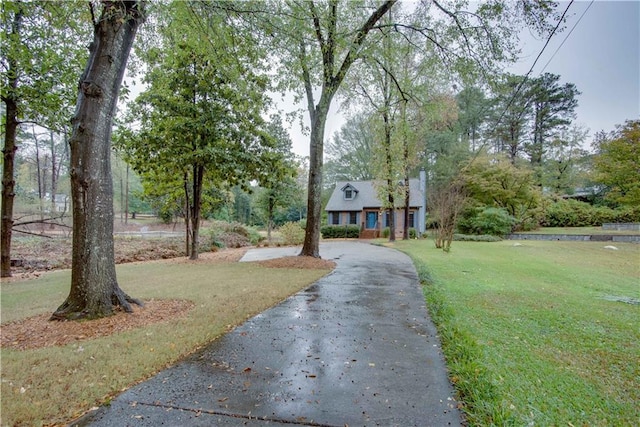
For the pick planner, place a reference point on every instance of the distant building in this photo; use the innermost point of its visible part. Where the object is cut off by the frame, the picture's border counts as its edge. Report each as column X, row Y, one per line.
column 62, row 203
column 357, row 203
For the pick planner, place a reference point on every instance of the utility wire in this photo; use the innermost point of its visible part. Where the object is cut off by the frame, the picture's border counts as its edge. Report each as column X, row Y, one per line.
column 566, row 37
column 531, row 69
column 526, row 77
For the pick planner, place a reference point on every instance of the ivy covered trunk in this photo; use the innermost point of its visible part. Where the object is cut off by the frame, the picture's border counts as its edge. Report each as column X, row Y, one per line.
column 94, row 288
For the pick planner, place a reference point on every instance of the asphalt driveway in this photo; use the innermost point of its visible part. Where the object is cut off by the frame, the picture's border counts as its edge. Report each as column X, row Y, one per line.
column 356, row 348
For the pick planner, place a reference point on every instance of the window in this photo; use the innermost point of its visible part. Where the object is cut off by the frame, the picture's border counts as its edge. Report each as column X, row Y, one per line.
column 335, row 218
column 412, row 216
column 353, row 217
column 348, row 194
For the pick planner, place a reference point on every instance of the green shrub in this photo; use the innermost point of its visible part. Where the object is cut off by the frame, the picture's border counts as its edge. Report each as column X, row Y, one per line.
column 412, row 233
column 165, row 215
column 224, row 234
column 573, row 213
column 292, row 233
column 486, row 220
column 340, row 231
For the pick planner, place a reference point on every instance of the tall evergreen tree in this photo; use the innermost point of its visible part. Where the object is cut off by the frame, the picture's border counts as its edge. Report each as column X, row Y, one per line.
column 553, row 109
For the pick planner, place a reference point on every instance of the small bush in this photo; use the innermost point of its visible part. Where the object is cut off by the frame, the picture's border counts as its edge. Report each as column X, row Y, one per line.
column 340, row 231
column 224, row 234
column 412, row 233
column 486, row 220
column 292, row 233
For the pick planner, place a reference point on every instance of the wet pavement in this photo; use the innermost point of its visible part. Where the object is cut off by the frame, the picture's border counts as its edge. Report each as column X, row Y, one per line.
column 356, row 348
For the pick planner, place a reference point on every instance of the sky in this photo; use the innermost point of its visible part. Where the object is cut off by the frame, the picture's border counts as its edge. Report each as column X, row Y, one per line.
column 601, row 56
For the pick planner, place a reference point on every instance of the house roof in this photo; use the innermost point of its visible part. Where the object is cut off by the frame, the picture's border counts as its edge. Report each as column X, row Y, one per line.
column 367, row 197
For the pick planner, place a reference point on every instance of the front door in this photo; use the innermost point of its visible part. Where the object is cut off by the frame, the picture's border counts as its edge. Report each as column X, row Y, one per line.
column 372, row 220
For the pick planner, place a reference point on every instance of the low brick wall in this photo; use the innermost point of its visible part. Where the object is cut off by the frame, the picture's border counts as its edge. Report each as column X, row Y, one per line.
column 576, row 237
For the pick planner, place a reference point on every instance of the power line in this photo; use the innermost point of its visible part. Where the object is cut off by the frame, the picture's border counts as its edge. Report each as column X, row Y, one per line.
column 566, row 37
column 526, row 77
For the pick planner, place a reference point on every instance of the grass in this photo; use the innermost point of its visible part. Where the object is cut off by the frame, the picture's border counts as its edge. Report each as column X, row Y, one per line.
column 536, row 334
column 56, row 384
column 581, row 230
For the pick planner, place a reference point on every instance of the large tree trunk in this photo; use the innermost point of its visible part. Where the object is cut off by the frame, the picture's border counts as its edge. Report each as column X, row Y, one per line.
column 332, row 79
column 8, row 184
column 311, row 246
column 9, row 154
column 198, row 176
column 94, row 288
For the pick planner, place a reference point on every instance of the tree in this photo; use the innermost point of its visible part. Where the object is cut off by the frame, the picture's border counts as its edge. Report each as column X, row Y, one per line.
column 40, row 52
column 473, row 114
column 94, row 288
column 495, row 182
column 617, row 164
column 553, row 110
column 335, row 49
column 350, row 152
column 446, row 204
column 200, row 117
column 561, row 171
column 512, row 112
column 278, row 179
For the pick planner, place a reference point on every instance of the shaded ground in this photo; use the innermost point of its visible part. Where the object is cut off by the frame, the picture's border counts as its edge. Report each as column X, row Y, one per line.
column 50, row 254
column 41, row 254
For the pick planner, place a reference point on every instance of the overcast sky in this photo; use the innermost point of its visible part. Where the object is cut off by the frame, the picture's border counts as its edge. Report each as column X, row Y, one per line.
column 601, row 57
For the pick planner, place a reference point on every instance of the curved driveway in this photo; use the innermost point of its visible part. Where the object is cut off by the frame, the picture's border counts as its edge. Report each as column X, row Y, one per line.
column 356, row 348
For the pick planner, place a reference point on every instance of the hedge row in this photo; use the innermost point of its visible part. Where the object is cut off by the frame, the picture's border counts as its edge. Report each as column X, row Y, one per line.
column 340, row 231
column 573, row 213
column 412, row 232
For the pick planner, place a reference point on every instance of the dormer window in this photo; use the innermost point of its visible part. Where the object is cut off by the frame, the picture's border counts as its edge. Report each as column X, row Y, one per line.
column 349, row 192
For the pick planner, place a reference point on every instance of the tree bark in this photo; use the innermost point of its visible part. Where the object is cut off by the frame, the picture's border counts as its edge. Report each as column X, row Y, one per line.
column 55, row 171
column 9, row 154
column 311, row 246
column 94, row 288
column 198, row 176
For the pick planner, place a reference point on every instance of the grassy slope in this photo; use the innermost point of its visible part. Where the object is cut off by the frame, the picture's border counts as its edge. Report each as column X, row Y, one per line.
column 530, row 338
column 52, row 385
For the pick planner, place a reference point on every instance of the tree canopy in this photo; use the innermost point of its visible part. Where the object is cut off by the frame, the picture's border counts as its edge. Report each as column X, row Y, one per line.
column 200, row 122
column 617, row 164
column 41, row 47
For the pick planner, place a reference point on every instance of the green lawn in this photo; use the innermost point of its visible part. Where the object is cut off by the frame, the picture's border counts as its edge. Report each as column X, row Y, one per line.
column 537, row 333
column 56, row 384
column 581, row 230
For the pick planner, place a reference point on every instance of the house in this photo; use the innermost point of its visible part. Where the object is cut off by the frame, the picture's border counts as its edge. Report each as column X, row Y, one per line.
column 357, row 203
